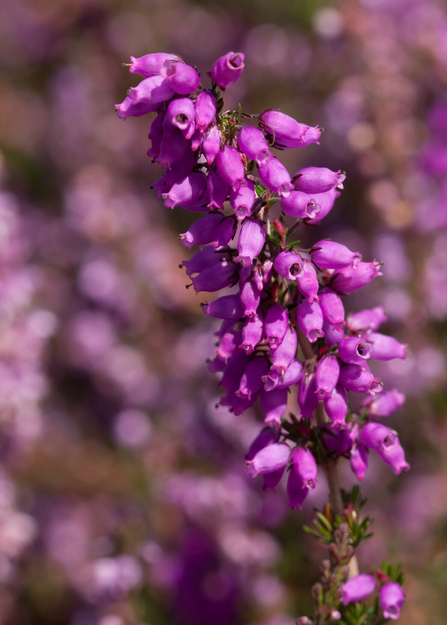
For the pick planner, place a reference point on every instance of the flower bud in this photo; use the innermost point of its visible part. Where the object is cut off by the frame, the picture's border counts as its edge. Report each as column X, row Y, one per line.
column 305, row 467
column 391, row 598
column 183, row 79
column 354, row 278
column 385, row 443
column 317, row 180
column 205, row 110
column 251, row 241
column 310, row 320
column 299, row 205
column 286, row 131
column 227, row 69
column 357, row 588
column 326, row 376
column 275, row 176
column 386, row 347
column 271, row 458
column 332, row 255
column 332, row 308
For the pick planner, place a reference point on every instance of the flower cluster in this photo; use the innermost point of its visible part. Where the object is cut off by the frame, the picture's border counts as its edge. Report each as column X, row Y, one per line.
column 286, row 296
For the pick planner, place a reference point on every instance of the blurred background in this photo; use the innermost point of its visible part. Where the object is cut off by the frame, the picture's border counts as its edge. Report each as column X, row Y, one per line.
column 123, row 495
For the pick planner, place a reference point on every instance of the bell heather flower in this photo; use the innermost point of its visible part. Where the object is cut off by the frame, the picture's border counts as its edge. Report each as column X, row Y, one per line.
column 173, row 148
column 359, row 379
column 326, row 376
column 252, row 143
column 331, row 255
column 332, row 308
column 216, row 277
column 276, row 322
column 230, row 166
column 227, row 69
column 183, row 79
column 305, row 467
column 211, row 144
column 355, row 350
column 151, row 64
column 288, row 265
column 145, row 98
column 292, row 375
column 336, row 405
column 202, row 231
column 310, row 320
column 226, row 307
column 205, row 110
column 385, row 443
column 359, row 460
column 251, row 380
column 384, row 404
column 271, row 458
column 296, row 491
column 366, row 320
column 180, row 114
column 250, row 297
column 252, row 333
column 275, row 176
column 317, row 180
column 217, row 191
column 391, row 598
column 325, row 203
column 357, row 588
column 242, row 199
column 386, row 347
column 307, row 282
column 204, row 258
column 229, row 345
column 186, row 191
column 273, row 404
column 267, row 436
column 283, row 355
column 251, row 241
column 307, row 397
column 286, row 132
column 299, row 205
column 354, row 278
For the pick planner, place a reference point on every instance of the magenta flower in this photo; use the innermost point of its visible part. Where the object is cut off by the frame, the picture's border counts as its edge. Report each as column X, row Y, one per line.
column 325, row 203
column 288, row 264
column 186, row 191
column 296, row 491
column 242, row 199
column 300, row 205
column 230, row 166
column 310, row 320
column 217, row 191
column 202, row 231
column 276, row 322
column 326, row 376
column 307, row 282
column 226, row 307
column 366, row 320
column 357, row 588
column 359, row 460
column 385, row 443
column 227, row 69
column 267, row 436
column 384, row 404
column 151, row 64
column 307, row 397
column 292, row 375
column 336, row 405
column 355, row 350
column 252, row 143
column 251, row 241
column 205, row 110
column 251, row 380
column 275, row 176
column 180, row 114
column 318, row 180
column 359, row 379
column 271, row 458
column 252, row 333
column 283, row 355
column 250, row 297
column 386, row 347
column 273, row 404
column 391, row 598
column 183, row 79
column 286, row 131
column 145, row 98
column 354, row 278
column 211, row 144
column 332, row 255
column 332, row 308
column 305, row 467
